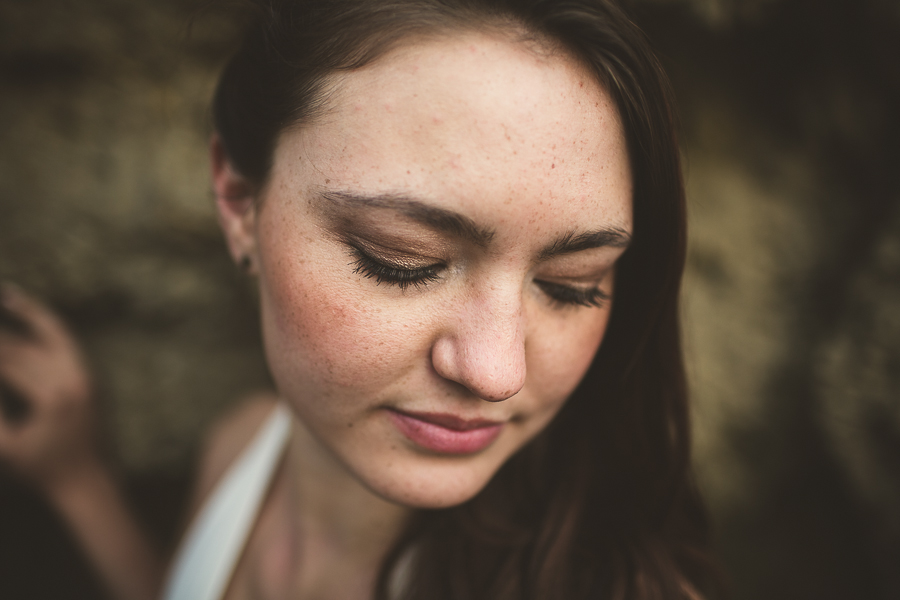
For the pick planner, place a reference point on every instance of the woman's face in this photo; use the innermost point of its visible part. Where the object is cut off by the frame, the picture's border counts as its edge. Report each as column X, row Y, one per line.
column 435, row 258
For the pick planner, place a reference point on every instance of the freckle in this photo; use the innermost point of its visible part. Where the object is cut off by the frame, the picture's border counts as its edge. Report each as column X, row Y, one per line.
column 349, row 424
column 327, row 181
column 553, row 166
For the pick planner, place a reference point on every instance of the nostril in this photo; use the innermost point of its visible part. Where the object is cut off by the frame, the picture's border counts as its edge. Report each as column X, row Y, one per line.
column 500, row 373
column 500, row 397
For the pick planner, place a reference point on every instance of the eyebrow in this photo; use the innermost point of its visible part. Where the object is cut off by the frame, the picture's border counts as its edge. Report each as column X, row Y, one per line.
column 438, row 218
column 462, row 226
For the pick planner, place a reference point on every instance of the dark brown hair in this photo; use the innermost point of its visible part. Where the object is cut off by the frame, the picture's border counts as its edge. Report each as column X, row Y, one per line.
column 601, row 504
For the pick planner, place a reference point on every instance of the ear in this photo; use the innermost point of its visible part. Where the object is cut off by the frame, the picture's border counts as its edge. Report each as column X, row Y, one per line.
column 235, row 206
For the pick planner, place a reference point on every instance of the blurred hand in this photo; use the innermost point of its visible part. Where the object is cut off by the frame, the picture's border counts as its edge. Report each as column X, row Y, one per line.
column 47, row 425
column 47, row 433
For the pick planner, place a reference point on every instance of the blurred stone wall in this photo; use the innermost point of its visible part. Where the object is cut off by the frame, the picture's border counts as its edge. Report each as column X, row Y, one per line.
column 792, row 296
column 105, row 210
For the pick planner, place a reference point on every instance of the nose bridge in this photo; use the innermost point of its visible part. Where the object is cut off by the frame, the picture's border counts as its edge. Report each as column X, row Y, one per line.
column 488, row 342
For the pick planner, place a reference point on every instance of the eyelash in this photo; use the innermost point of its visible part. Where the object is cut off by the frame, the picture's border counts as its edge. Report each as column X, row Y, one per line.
column 564, row 295
column 371, row 268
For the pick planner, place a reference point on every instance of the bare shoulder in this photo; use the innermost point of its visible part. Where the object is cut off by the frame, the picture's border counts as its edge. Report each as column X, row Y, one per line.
column 226, row 439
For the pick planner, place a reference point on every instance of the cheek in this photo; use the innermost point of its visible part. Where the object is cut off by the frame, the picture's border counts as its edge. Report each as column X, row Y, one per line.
column 560, row 359
column 323, row 338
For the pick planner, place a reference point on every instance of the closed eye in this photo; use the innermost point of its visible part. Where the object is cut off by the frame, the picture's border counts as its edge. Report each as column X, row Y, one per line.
column 403, row 277
column 566, row 296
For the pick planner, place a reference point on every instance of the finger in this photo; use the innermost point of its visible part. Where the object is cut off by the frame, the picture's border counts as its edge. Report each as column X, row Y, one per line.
column 42, row 322
column 11, row 341
column 23, row 367
column 14, row 349
column 12, row 323
column 47, row 378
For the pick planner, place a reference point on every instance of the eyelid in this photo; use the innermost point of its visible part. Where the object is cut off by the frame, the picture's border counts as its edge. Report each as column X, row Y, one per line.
column 381, row 271
column 587, row 265
column 391, row 257
column 592, row 279
column 566, row 296
column 573, row 291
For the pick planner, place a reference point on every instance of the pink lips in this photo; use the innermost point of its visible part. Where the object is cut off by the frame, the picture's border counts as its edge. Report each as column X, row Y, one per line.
column 446, row 434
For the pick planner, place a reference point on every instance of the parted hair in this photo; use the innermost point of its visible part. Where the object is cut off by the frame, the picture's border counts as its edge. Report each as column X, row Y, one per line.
column 601, row 504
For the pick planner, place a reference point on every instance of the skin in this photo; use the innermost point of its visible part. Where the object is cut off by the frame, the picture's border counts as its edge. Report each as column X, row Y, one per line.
column 523, row 144
column 54, row 446
column 516, row 140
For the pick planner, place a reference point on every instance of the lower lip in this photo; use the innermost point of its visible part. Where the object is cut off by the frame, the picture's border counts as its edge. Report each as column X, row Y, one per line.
column 444, row 440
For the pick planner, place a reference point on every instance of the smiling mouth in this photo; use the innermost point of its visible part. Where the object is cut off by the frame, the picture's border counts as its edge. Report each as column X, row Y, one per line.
column 444, row 433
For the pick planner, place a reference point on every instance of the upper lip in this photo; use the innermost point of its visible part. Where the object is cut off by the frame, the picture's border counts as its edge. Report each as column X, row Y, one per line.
column 449, row 421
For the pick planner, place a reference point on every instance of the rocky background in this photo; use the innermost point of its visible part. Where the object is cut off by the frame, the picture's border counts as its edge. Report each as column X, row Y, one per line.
column 790, row 119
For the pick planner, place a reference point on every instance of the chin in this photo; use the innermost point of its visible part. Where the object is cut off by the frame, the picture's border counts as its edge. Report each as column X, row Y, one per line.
column 433, row 485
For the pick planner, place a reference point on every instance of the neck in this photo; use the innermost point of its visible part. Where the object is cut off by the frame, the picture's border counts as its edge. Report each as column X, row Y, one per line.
column 341, row 530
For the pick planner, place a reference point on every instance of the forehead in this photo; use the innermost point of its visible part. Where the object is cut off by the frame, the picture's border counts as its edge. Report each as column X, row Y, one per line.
column 473, row 122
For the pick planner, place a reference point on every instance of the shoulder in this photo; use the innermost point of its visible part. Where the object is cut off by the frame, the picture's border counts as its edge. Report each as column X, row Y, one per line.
column 225, row 441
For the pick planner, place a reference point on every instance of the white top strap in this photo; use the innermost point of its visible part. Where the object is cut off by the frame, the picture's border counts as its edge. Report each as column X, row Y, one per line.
column 204, row 564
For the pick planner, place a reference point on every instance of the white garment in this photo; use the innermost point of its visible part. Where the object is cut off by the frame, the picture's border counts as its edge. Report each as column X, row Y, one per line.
column 215, row 541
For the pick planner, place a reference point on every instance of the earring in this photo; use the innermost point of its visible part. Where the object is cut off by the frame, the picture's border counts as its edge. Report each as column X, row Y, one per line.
column 244, row 263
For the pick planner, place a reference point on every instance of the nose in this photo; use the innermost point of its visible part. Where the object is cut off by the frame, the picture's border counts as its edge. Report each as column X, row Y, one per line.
column 483, row 349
